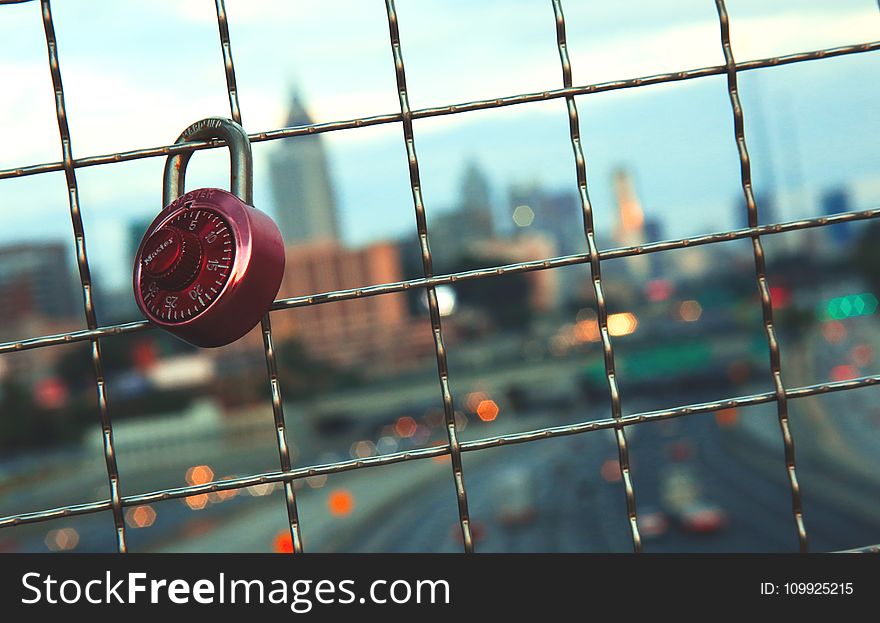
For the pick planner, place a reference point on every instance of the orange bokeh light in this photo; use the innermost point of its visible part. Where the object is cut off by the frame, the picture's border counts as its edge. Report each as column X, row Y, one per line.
column 340, row 502
column 690, row 311
column 487, row 410
column 610, row 470
column 405, row 427
column 834, row 331
column 443, row 458
column 474, row 399
column 199, row 475
column 587, row 331
column 140, row 516
column 196, row 502
column 283, row 544
column 726, row 417
column 62, row 539
column 623, row 323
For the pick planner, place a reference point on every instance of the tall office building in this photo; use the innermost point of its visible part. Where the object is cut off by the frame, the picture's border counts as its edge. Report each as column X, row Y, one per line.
column 36, row 281
column 630, row 230
column 766, row 204
column 476, row 204
column 557, row 214
column 376, row 332
column 834, row 202
column 39, row 295
column 304, row 198
column 459, row 232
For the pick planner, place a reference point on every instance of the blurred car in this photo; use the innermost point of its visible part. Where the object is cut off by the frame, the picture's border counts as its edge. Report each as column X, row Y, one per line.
column 701, row 517
column 514, row 495
column 680, row 491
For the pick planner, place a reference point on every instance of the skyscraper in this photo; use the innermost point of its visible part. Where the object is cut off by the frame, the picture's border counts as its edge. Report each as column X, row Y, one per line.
column 304, row 198
column 476, row 208
column 833, row 202
column 459, row 232
column 557, row 214
column 36, row 281
column 630, row 230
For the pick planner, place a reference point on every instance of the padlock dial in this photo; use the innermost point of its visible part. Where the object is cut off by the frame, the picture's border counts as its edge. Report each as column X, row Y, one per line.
column 185, row 264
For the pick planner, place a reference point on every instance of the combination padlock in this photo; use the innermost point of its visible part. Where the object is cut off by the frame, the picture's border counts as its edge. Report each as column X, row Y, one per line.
column 210, row 264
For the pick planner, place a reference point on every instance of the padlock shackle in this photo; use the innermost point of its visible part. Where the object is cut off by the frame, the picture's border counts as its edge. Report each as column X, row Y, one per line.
column 240, row 159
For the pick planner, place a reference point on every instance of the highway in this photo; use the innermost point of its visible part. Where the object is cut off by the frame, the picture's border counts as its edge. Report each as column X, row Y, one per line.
column 578, row 511
column 570, row 483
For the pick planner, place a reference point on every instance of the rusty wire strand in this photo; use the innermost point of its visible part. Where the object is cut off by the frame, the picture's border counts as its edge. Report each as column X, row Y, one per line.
column 428, row 267
column 79, row 238
column 761, row 279
column 549, row 432
column 596, row 278
column 70, row 337
column 265, row 323
column 512, row 100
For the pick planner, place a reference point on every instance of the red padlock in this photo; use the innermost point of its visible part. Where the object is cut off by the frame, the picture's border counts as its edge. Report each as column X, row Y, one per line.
column 210, row 264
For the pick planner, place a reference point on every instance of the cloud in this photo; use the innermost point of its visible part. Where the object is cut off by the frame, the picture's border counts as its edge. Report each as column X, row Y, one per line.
column 134, row 91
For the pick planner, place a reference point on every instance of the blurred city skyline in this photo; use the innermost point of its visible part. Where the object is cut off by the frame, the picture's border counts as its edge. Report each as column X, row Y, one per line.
column 809, row 126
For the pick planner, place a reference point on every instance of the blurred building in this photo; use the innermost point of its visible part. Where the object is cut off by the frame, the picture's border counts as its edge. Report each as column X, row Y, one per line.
column 545, row 284
column 556, row 214
column 38, row 296
column 767, row 210
column 834, row 202
column 654, row 232
column 36, row 281
column 304, row 198
column 476, row 204
column 376, row 330
column 630, row 228
column 455, row 233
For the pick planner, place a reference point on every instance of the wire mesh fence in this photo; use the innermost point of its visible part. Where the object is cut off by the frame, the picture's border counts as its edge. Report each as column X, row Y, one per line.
column 453, row 447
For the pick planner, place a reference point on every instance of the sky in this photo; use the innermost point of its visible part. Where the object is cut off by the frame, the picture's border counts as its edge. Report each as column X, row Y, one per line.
column 137, row 73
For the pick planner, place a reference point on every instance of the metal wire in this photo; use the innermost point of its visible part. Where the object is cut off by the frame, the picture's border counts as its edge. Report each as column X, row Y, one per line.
column 453, row 447
column 481, row 273
column 511, row 100
column 761, row 277
column 428, row 266
column 549, row 432
column 596, row 274
column 265, row 323
column 79, row 236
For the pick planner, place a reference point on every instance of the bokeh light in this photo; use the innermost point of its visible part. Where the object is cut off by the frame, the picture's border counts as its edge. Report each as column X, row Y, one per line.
column 487, row 410
column 140, row 516
column 283, row 543
column 610, row 470
column 199, row 475
column 62, row 539
column 405, row 426
column 690, row 311
column 726, row 418
column 196, row 502
column 523, row 216
column 340, row 502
